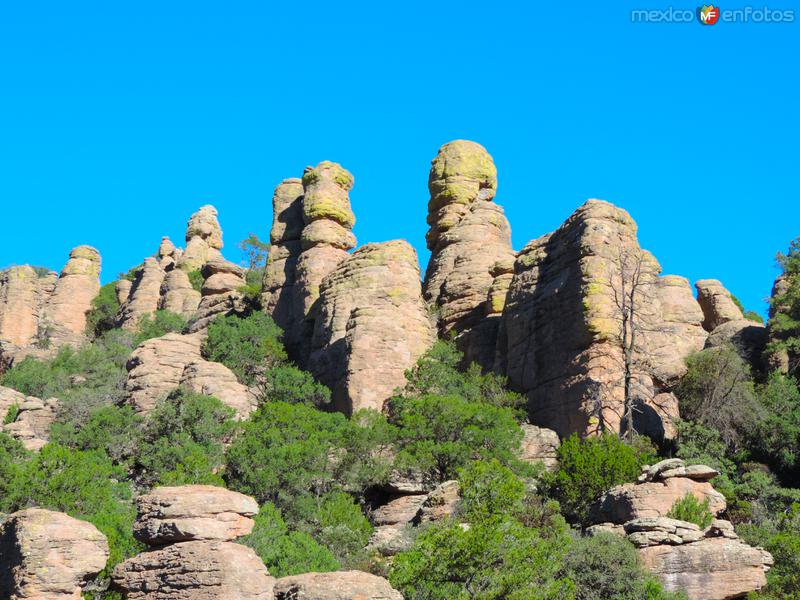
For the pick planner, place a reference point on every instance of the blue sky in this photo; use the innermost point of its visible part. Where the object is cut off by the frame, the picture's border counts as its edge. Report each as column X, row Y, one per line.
column 118, row 120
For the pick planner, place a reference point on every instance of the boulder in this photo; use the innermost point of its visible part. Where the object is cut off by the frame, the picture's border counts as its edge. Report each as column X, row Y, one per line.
column 748, row 338
column 123, row 290
column 560, row 337
column 144, row 296
column 399, row 510
column 193, row 512
column 371, row 325
column 203, row 239
column 156, row 367
column 195, row 570
column 221, row 292
column 48, row 555
column 9, row 398
column 709, row 569
column 31, row 427
column 215, row 379
column 441, row 502
column 717, row 304
column 539, row 445
column 339, row 585
column 468, row 236
column 177, row 294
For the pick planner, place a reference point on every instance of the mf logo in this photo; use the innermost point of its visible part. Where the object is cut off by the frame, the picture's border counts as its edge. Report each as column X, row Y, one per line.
column 708, row 14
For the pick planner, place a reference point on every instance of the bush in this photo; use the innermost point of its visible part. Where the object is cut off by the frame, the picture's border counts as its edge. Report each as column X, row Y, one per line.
column 287, row 383
column 159, row 323
column 437, row 435
column 690, row 509
column 196, row 279
column 247, row 346
column 784, row 322
column 103, row 314
column 116, row 430
column 490, row 490
column 12, row 455
column 777, row 436
column 286, row 552
column 587, row 468
column 339, row 525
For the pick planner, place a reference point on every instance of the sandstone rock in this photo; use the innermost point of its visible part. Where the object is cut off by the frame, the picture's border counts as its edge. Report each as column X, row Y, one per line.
column 215, row 379
column 468, row 236
column 156, row 368
column 717, row 304
column 79, row 283
column 177, row 294
column 195, row 570
column 203, row 239
column 193, row 512
column 599, row 528
column 651, row 473
column 9, row 398
column 32, row 424
column 748, row 338
column 539, row 444
column 340, row 585
column 221, row 292
column 48, row 555
column 123, row 289
column 20, row 304
column 371, row 325
column 630, row 501
column 168, row 255
column 280, row 297
column 710, row 569
column 144, row 296
column 399, row 510
column 560, row 340
column 389, row 540
column 441, row 502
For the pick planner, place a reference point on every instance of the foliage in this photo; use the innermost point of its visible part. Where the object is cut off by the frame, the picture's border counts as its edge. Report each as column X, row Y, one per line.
column 247, row 346
column 184, row 441
column 287, row 383
column 102, row 316
column 196, row 279
column 83, row 484
column 784, row 323
column 490, row 490
column 12, row 455
column 590, row 467
column 116, row 430
column 254, row 250
column 690, row 509
column 777, row 435
column 437, row 435
column 159, row 323
column 717, row 391
column 286, row 552
column 339, row 525
column 11, row 414
column 437, row 373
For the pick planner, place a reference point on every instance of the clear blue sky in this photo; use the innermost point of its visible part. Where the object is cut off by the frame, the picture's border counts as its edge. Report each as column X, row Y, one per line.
column 118, row 120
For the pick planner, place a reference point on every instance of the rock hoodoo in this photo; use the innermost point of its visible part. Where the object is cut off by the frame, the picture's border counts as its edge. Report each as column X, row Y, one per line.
column 371, row 325
column 193, row 558
column 203, row 239
column 21, row 298
column 706, row 564
column 717, row 304
column 468, row 236
column 221, row 292
column 48, row 555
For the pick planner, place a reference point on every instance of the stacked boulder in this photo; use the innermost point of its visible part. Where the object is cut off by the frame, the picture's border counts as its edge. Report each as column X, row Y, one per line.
column 371, row 325
column 161, row 365
column 41, row 313
column 726, row 323
column 190, row 531
column 470, row 243
column 32, row 418
column 203, row 239
column 560, row 340
column 48, row 555
column 221, row 292
column 707, row 564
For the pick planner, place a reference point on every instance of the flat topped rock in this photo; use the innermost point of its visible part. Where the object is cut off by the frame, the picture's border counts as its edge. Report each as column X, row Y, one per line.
column 341, row 585
column 193, row 512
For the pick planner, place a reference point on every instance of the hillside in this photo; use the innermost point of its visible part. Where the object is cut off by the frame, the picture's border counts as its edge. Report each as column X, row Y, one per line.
column 327, row 422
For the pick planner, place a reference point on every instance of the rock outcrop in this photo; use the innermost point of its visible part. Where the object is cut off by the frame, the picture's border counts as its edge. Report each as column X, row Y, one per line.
column 203, row 239
column 371, row 325
column 280, row 297
column 177, row 294
column 168, row 515
column 31, row 426
column 144, row 295
column 539, row 445
column 341, row 585
column 192, row 528
column 48, row 555
column 21, row 299
column 717, row 304
column 561, row 340
column 221, row 292
column 215, row 379
column 468, row 236
column 706, row 564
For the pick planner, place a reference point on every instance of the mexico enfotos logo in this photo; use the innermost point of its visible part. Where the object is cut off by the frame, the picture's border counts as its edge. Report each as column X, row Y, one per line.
column 709, row 14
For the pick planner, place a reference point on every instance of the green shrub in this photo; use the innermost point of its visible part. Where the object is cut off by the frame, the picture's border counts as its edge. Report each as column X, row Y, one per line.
column 159, row 323
column 339, row 525
column 490, row 490
column 437, row 435
column 777, row 437
column 247, row 346
column 11, row 414
column 287, row 383
column 690, row 509
column 116, row 430
column 286, row 552
column 196, row 279
column 784, row 322
column 103, row 314
column 587, row 468
column 12, row 456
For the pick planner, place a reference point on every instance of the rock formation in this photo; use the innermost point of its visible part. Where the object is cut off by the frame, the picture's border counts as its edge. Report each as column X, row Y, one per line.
column 539, row 445
column 717, row 304
column 280, row 297
column 203, row 239
column 341, row 585
column 144, row 295
column 468, row 236
column 561, row 334
column 215, row 379
column 371, row 325
column 207, row 566
column 168, row 515
column 706, row 564
column 31, row 426
column 20, row 305
column 177, row 294
column 48, row 555
column 221, row 292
